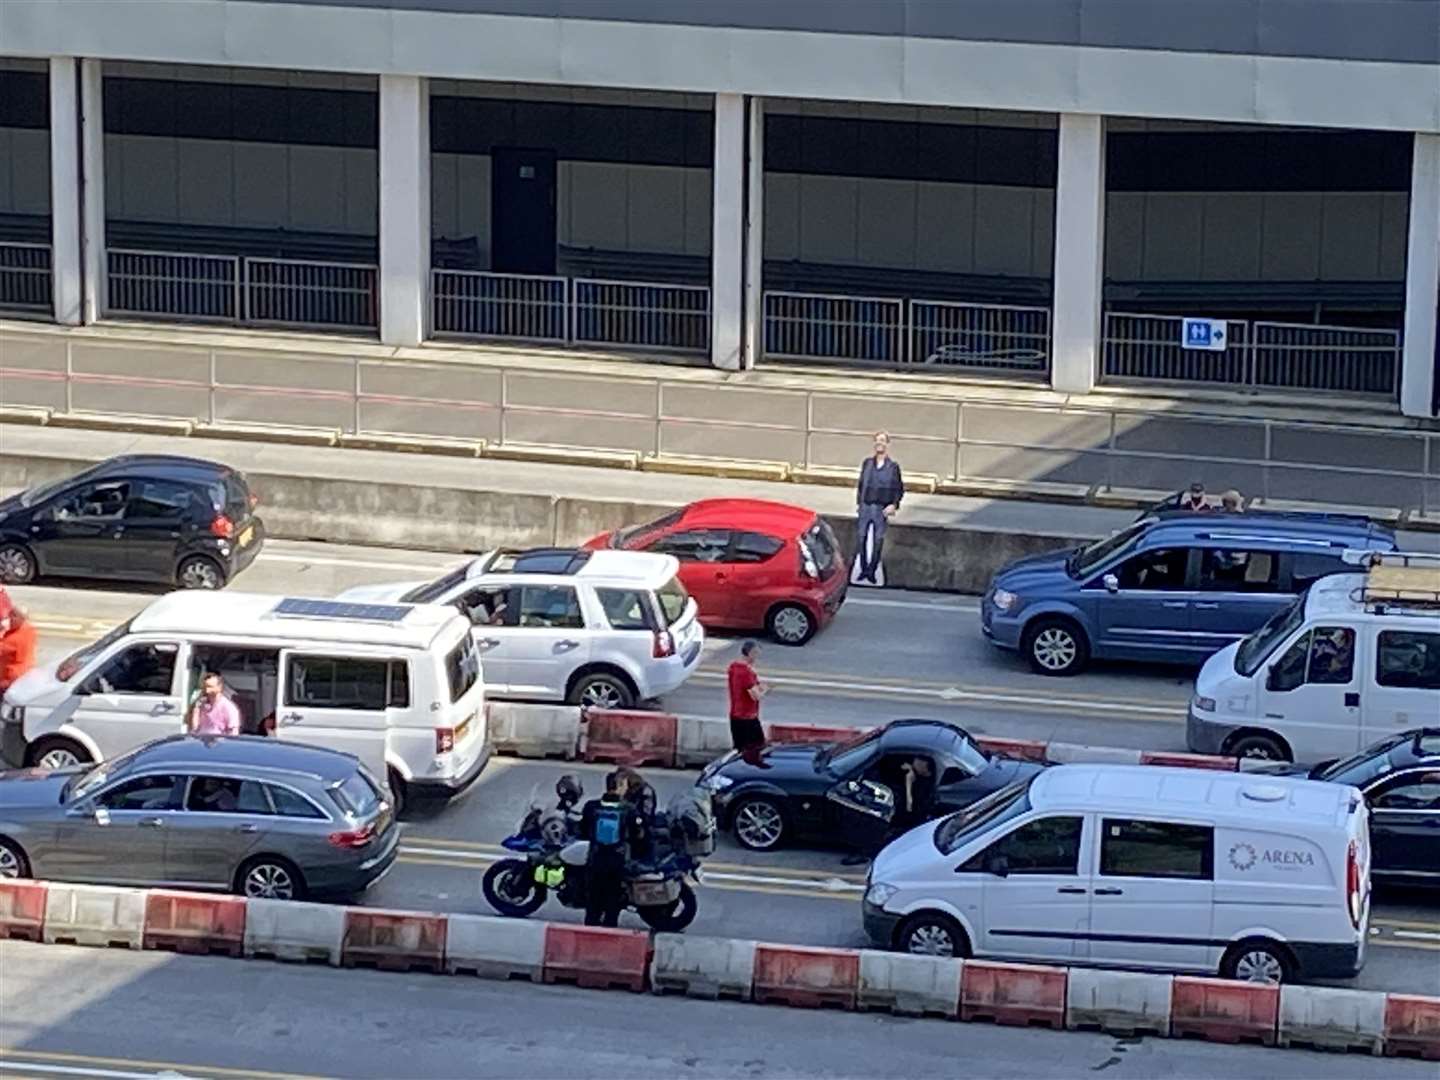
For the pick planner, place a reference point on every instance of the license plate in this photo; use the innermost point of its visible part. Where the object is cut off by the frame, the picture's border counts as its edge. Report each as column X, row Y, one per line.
column 247, row 535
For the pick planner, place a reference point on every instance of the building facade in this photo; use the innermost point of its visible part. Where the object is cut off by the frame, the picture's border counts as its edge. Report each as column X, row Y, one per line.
column 1078, row 194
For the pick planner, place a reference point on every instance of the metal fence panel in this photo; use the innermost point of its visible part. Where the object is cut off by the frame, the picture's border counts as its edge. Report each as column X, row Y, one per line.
column 1147, row 347
column 1349, row 359
column 184, row 286
column 322, row 294
column 816, row 326
column 26, row 281
column 646, row 315
column 980, row 337
column 477, row 304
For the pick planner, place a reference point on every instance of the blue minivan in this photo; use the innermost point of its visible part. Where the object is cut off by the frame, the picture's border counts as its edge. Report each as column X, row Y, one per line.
column 1173, row 587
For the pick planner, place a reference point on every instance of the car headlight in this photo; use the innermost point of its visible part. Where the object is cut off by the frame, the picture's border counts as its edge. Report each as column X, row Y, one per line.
column 716, row 782
column 1204, row 704
column 879, row 893
column 1004, row 599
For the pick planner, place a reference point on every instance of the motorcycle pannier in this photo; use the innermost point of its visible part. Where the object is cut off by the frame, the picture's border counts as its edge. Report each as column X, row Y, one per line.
column 653, row 890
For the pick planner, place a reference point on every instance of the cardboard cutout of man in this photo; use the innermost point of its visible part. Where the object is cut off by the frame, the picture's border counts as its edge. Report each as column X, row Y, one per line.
column 877, row 500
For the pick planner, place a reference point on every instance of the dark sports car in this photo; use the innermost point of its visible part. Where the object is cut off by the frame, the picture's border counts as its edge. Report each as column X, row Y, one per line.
column 1400, row 779
column 841, row 793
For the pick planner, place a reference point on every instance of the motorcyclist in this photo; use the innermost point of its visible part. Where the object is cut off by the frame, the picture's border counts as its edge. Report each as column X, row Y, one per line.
column 609, row 823
column 642, row 799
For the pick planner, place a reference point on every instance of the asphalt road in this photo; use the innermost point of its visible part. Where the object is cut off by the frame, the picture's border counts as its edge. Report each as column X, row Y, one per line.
column 119, row 1015
column 887, row 655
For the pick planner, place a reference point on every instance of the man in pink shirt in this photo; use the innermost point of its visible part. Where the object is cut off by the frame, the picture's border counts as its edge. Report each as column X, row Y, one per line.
column 213, row 712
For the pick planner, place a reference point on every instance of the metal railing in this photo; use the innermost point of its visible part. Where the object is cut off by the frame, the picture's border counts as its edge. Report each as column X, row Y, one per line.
column 248, row 291
column 26, row 281
column 991, row 337
column 1270, row 355
column 819, row 326
column 641, row 315
column 472, row 303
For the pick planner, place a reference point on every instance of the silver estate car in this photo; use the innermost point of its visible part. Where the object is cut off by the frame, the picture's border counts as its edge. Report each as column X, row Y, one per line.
column 251, row 815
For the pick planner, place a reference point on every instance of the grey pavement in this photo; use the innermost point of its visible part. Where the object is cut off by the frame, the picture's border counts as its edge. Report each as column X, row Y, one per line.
column 104, row 1013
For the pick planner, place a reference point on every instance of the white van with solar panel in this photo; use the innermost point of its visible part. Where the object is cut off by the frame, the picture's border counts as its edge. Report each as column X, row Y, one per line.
column 397, row 685
column 1352, row 661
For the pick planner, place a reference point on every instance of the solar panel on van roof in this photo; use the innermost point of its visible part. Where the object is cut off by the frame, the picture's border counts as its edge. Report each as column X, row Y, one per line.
column 338, row 609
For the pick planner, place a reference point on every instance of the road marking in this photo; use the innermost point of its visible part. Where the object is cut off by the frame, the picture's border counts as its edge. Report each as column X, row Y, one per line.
column 1418, row 935
column 971, row 607
column 60, row 1064
column 361, row 564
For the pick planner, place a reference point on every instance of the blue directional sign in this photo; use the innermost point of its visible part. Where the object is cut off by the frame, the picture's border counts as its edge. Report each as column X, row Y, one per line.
column 1208, row 335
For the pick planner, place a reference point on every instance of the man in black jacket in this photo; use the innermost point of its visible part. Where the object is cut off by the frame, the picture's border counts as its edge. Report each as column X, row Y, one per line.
column 877, row 498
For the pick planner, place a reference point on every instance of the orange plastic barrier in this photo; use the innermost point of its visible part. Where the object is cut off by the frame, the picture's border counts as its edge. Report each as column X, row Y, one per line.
column 1223, row 1010
column 393, row 940
column 631, row 737
column 22, row 910
column 809, row 978
column 596, row 957
column 1412, row 1026
column 1013, row 994
column 192, row 923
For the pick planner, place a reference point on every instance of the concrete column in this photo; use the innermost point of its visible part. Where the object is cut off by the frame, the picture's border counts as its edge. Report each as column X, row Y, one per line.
column 65, row 209
column 755, row 235
column 1422, row 281
column 727, row 243
column 1079, row 253
column 404, row 210
column 92, row 189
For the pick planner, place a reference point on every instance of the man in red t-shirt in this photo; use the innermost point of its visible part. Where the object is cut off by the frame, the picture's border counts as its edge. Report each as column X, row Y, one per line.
column 746, row 690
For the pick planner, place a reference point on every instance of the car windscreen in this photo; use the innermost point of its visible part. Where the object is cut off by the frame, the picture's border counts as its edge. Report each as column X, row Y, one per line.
column 673, row 600
column 355, row 795
column 1359, row 769
column 1255, row 648
column 462, row 667
column 846, row 757
column 960, row 828
column 632, row 535
column 39, row 494
column 435, row 591
column 87, row 783
column 76, row 661
column 1092, row 556
column 970, row 756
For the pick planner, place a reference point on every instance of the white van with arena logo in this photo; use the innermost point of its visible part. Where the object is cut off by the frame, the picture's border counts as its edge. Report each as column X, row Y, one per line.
column 1265, row 879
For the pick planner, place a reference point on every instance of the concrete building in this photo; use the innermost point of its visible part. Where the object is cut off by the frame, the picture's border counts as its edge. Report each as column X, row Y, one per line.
column 1230, row 204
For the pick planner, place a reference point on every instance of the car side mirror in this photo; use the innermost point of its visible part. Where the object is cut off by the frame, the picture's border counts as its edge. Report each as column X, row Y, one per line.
column 1111, row 583
column 997, row 865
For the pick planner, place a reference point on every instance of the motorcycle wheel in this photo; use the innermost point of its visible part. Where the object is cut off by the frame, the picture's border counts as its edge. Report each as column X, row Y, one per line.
column 511, row 889
column 673, row 917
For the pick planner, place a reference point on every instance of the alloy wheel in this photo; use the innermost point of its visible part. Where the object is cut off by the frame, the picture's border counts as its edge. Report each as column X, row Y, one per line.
column 9, row 864
column 1259, row 966
column 199, row 574
column 758, row 824
column 58, row 758
column 931, row 939
column 792, row 624
column 601, row 694
column 1054, row 648
column 269, row 881
column 15, row 565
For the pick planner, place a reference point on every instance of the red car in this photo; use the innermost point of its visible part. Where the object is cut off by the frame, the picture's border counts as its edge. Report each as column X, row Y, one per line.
column 749, row 563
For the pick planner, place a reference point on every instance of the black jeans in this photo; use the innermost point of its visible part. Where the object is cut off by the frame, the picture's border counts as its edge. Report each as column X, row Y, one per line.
column 604, row 896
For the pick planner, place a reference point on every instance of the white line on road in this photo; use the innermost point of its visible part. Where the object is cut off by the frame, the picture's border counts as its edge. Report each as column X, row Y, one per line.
column 1418, row 935
column 90, row 1070
column 362, row 564
column 968, row 606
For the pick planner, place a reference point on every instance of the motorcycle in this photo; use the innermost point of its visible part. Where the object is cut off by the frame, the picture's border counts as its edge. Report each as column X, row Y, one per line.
column 552, row 857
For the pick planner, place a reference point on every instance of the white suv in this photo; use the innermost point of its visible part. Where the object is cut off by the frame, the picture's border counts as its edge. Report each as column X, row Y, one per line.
column 600, row 628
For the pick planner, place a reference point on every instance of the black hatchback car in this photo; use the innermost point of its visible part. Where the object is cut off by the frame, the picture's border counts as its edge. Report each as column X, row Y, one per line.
column 1400, row 779
column 845, row 793
column 140, row 517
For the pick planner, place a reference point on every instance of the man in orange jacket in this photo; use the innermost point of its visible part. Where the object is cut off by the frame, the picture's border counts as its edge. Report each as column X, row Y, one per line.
column 17, row 643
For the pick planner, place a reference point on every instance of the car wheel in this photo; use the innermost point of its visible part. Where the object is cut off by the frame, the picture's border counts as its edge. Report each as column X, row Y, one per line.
column 602, row 691
column 932, row 934
column 1056, row 647
column 759, row 824
column 13, row 863
column 1259, row 748
column 17, row 565
column 56, row 752
column 200, row 572
column 270, row 877
column 791, row 624
column 1260, row 962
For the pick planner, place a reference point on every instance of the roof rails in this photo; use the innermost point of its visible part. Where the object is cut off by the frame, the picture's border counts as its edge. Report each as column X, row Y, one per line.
column 297, row 608
column 1398, row 582
column 563, row 562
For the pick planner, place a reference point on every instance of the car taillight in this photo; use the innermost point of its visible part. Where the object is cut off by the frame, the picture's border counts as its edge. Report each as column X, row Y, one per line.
column 353, row 838
column 808, row 566
column 254, row 500
column 664, row 644
column 1354, row 900
column 444, row 740
column 222, row 527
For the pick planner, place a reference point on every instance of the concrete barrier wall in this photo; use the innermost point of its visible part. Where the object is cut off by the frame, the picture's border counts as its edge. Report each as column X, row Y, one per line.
column 297, row 507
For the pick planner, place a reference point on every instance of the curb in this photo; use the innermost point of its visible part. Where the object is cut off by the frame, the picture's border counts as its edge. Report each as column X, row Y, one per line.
column 481, row 946
column 777, row 472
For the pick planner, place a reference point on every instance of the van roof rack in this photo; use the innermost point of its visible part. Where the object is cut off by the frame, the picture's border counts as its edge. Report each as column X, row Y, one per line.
column 563, row 562
column 1399, row 581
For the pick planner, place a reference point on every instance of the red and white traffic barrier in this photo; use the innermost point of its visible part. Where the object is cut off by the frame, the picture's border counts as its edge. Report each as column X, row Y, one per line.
column 806, row 977
column 495, row 948
column 1412, row 1026
column 629, row 737
column 1223, row 1010
column 909, row 985
column 534, row 731
column 1331, row 1019
column 810, row 733
column 393, row 940
column 1019, row 994
column 1120, row 1002
column 22, row 910
column 703, row 967
column 93, row 915
column 295, row 931
column 595, row 957
column 186, row 922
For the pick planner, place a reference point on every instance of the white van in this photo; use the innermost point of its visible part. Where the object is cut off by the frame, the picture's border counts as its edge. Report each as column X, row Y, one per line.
column 396, row 685
column 1354, row 660
column 1136, row 866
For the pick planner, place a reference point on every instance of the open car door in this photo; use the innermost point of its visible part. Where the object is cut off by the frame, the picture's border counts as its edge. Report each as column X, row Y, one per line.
column 863, row 811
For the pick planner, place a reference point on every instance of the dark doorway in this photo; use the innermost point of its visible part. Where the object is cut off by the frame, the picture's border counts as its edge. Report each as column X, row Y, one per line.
column 522, row 211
